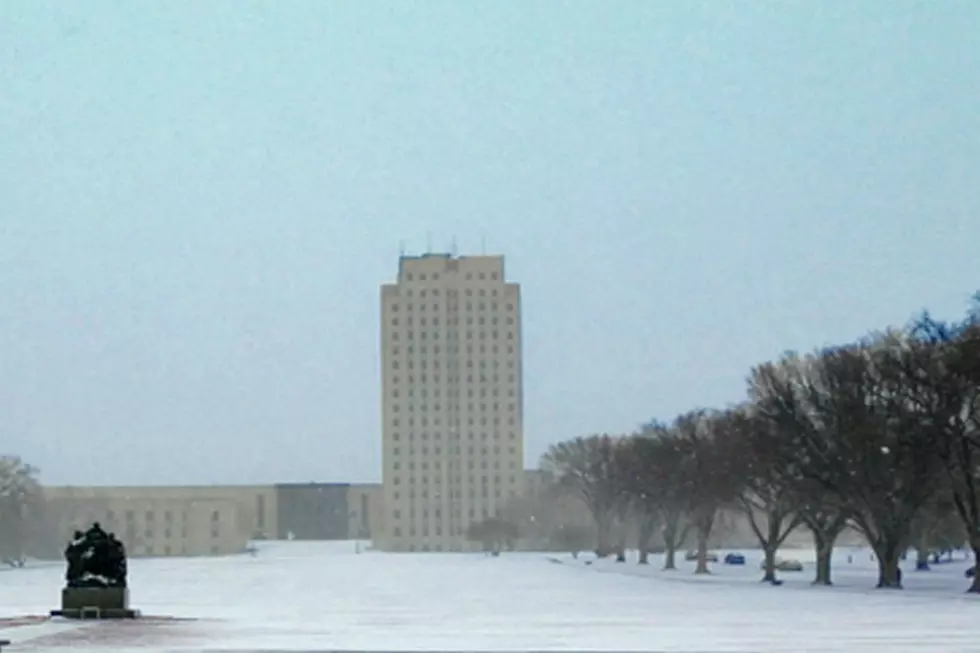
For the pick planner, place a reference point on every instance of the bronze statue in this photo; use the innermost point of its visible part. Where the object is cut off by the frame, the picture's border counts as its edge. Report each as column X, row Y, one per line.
column 95, row 559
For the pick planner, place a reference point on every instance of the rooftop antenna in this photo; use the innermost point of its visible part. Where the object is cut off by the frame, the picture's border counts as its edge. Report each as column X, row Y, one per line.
column 401, row 248
column 428, row 242
column 452, row 248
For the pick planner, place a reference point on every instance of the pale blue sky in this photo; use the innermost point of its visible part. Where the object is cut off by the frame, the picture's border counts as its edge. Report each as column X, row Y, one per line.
column 199, row 201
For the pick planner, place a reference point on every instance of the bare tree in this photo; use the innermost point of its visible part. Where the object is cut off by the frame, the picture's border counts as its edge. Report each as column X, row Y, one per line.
column 704, row 439
column 588, row 466
column 654, row 487
column 764, row 497
column 494, row 534
column 941, row 377
column 779, row 393
column 937, row 527
column 636, row 494
column 536, row 512
column 867, row 449
column 20, row 497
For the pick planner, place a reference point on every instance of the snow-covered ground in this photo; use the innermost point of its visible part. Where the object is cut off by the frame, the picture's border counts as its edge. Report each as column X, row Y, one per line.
column 296, row 596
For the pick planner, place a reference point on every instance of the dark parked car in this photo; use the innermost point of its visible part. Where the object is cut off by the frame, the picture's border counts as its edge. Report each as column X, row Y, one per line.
column 734, row 559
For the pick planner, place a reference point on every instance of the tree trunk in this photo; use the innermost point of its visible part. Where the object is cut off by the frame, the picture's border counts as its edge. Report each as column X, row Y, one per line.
column 704, row 532
column 645, row 534
column 975, row 585
column 602, row 536
column 621, row 544
column 889, row 539
column 824, row 544
column 889, row 573
column 921, row 559
column 770, row 565
column 825, row 529
column 670, row 558
column 671, row 537
column 770, row 541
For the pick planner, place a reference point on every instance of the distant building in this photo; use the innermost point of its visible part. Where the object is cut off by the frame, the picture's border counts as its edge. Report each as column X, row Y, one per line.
column 452, row 399
column 326, row 511
column 208, row 520
column 366, row 511
column 163, row 521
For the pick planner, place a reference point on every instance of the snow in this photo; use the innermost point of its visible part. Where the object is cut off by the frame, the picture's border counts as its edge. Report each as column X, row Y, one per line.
column 300, row 596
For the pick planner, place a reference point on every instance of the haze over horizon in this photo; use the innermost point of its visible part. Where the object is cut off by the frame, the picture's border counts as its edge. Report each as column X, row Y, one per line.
column 199, row 203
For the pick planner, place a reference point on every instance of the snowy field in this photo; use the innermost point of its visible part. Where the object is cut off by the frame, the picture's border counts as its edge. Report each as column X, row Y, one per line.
column 318, row 597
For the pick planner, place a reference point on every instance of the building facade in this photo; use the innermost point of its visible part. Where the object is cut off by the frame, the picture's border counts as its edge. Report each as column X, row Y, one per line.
column 163, row 520
column 207, row 520
column 452, row 399
column 327, row 511
column 365, row 511
column 312, row 511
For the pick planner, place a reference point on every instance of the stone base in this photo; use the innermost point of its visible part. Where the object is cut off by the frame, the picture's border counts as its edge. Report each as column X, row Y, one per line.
column 95, row 613
column 95, row 603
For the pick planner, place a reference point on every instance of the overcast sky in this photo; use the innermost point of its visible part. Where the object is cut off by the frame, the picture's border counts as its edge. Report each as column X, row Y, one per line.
column 199, row 202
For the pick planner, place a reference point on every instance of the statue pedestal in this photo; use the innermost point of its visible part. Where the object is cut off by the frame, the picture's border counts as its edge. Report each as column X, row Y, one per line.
column 95, row 603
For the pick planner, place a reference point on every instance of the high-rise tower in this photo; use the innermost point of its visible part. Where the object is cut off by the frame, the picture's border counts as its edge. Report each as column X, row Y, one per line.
column 452, row 399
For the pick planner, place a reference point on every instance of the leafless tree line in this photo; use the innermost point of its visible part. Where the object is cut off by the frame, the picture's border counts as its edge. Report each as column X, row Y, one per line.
column 881, row 435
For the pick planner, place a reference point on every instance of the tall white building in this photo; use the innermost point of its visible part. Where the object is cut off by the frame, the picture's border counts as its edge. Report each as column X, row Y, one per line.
column 452, row 399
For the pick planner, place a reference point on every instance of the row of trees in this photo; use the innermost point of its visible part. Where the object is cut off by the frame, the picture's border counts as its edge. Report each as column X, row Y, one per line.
column 881, row 435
